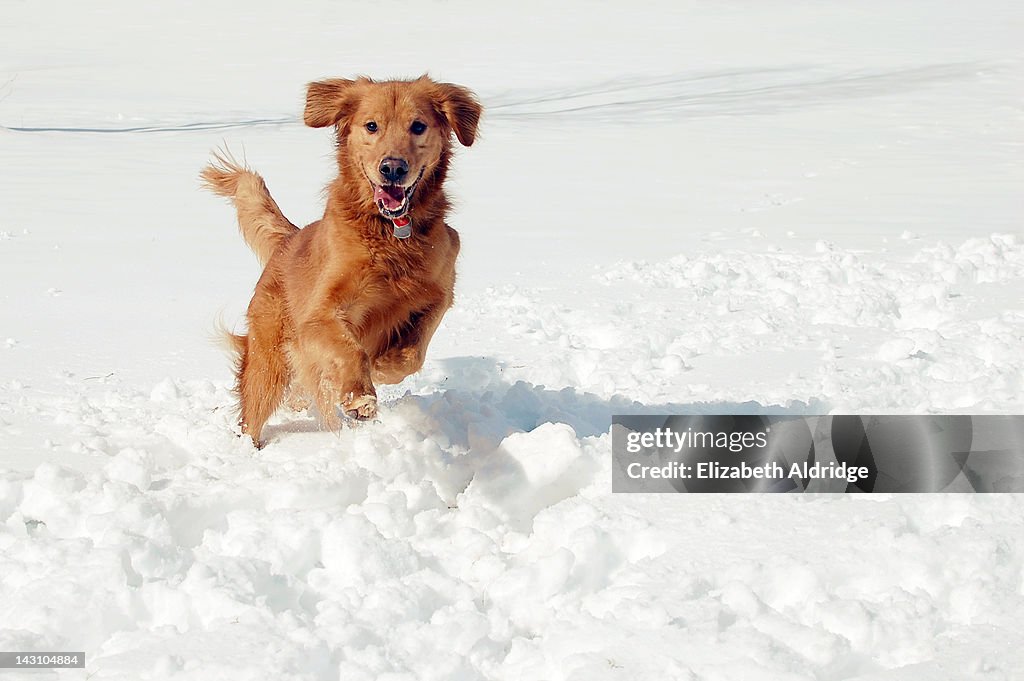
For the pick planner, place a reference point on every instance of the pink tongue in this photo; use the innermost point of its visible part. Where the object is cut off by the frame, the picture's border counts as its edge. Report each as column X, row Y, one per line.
column 391, row 196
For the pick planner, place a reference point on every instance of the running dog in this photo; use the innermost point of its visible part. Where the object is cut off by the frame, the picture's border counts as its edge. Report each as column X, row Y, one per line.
column 352, row 299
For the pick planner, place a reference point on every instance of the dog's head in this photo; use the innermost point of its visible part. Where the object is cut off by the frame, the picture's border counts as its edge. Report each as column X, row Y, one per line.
column 395, row 134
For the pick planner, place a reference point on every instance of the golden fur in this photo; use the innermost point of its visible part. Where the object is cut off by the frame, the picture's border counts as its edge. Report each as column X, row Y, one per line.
column 343, row 303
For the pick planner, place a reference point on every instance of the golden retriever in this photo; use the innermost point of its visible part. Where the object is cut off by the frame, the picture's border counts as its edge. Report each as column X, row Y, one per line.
column 353, row 298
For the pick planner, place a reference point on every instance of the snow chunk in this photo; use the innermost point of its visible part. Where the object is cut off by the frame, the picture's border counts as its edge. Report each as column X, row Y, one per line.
column 355, row 553
column 165, row 390
column 895, row 350
column 132, row 466
column 533, row 471
column 545, row 453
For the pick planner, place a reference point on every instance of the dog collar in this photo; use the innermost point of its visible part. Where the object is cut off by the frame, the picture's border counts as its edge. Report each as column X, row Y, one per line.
column 403, row 227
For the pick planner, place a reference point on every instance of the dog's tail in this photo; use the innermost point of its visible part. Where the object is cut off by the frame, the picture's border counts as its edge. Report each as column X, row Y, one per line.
column 229, row 341
column 261, row 222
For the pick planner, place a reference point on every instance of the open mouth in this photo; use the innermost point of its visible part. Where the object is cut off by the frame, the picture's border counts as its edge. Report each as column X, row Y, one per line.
column 393, row 199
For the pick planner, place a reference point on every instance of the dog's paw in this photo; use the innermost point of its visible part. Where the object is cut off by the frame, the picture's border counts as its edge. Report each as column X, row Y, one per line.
column 395, row 365
column 361, row 408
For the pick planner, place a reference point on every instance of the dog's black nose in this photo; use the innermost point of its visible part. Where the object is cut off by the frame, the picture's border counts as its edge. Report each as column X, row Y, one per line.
column 393, row 169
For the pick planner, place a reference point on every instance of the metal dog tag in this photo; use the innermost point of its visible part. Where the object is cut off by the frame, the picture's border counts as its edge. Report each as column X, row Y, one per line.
column 403, row 227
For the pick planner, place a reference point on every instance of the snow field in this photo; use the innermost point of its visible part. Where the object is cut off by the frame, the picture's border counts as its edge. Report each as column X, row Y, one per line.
column 475, row 550
column 469, row 534
column 932, row 329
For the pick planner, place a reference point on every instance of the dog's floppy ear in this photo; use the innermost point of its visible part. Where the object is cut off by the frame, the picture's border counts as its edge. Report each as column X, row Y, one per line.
column 459, row 107
column 328, row 101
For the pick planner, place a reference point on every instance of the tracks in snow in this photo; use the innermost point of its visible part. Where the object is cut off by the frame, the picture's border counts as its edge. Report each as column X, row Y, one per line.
column 729, row 92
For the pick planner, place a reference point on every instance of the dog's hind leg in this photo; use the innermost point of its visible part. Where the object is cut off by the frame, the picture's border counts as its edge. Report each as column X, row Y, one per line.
column 262, row 373
column 262, row 379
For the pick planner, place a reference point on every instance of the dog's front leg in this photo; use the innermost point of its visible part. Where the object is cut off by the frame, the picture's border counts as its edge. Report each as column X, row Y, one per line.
column 335, row 369
column 397, row 363
column 406, row 357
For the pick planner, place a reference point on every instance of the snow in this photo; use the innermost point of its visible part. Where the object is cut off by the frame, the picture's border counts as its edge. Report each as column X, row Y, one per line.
column 790, row 207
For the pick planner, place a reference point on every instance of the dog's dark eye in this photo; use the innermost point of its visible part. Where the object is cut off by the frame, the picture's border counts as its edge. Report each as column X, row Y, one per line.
column 371, row 127
column 418, row 127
